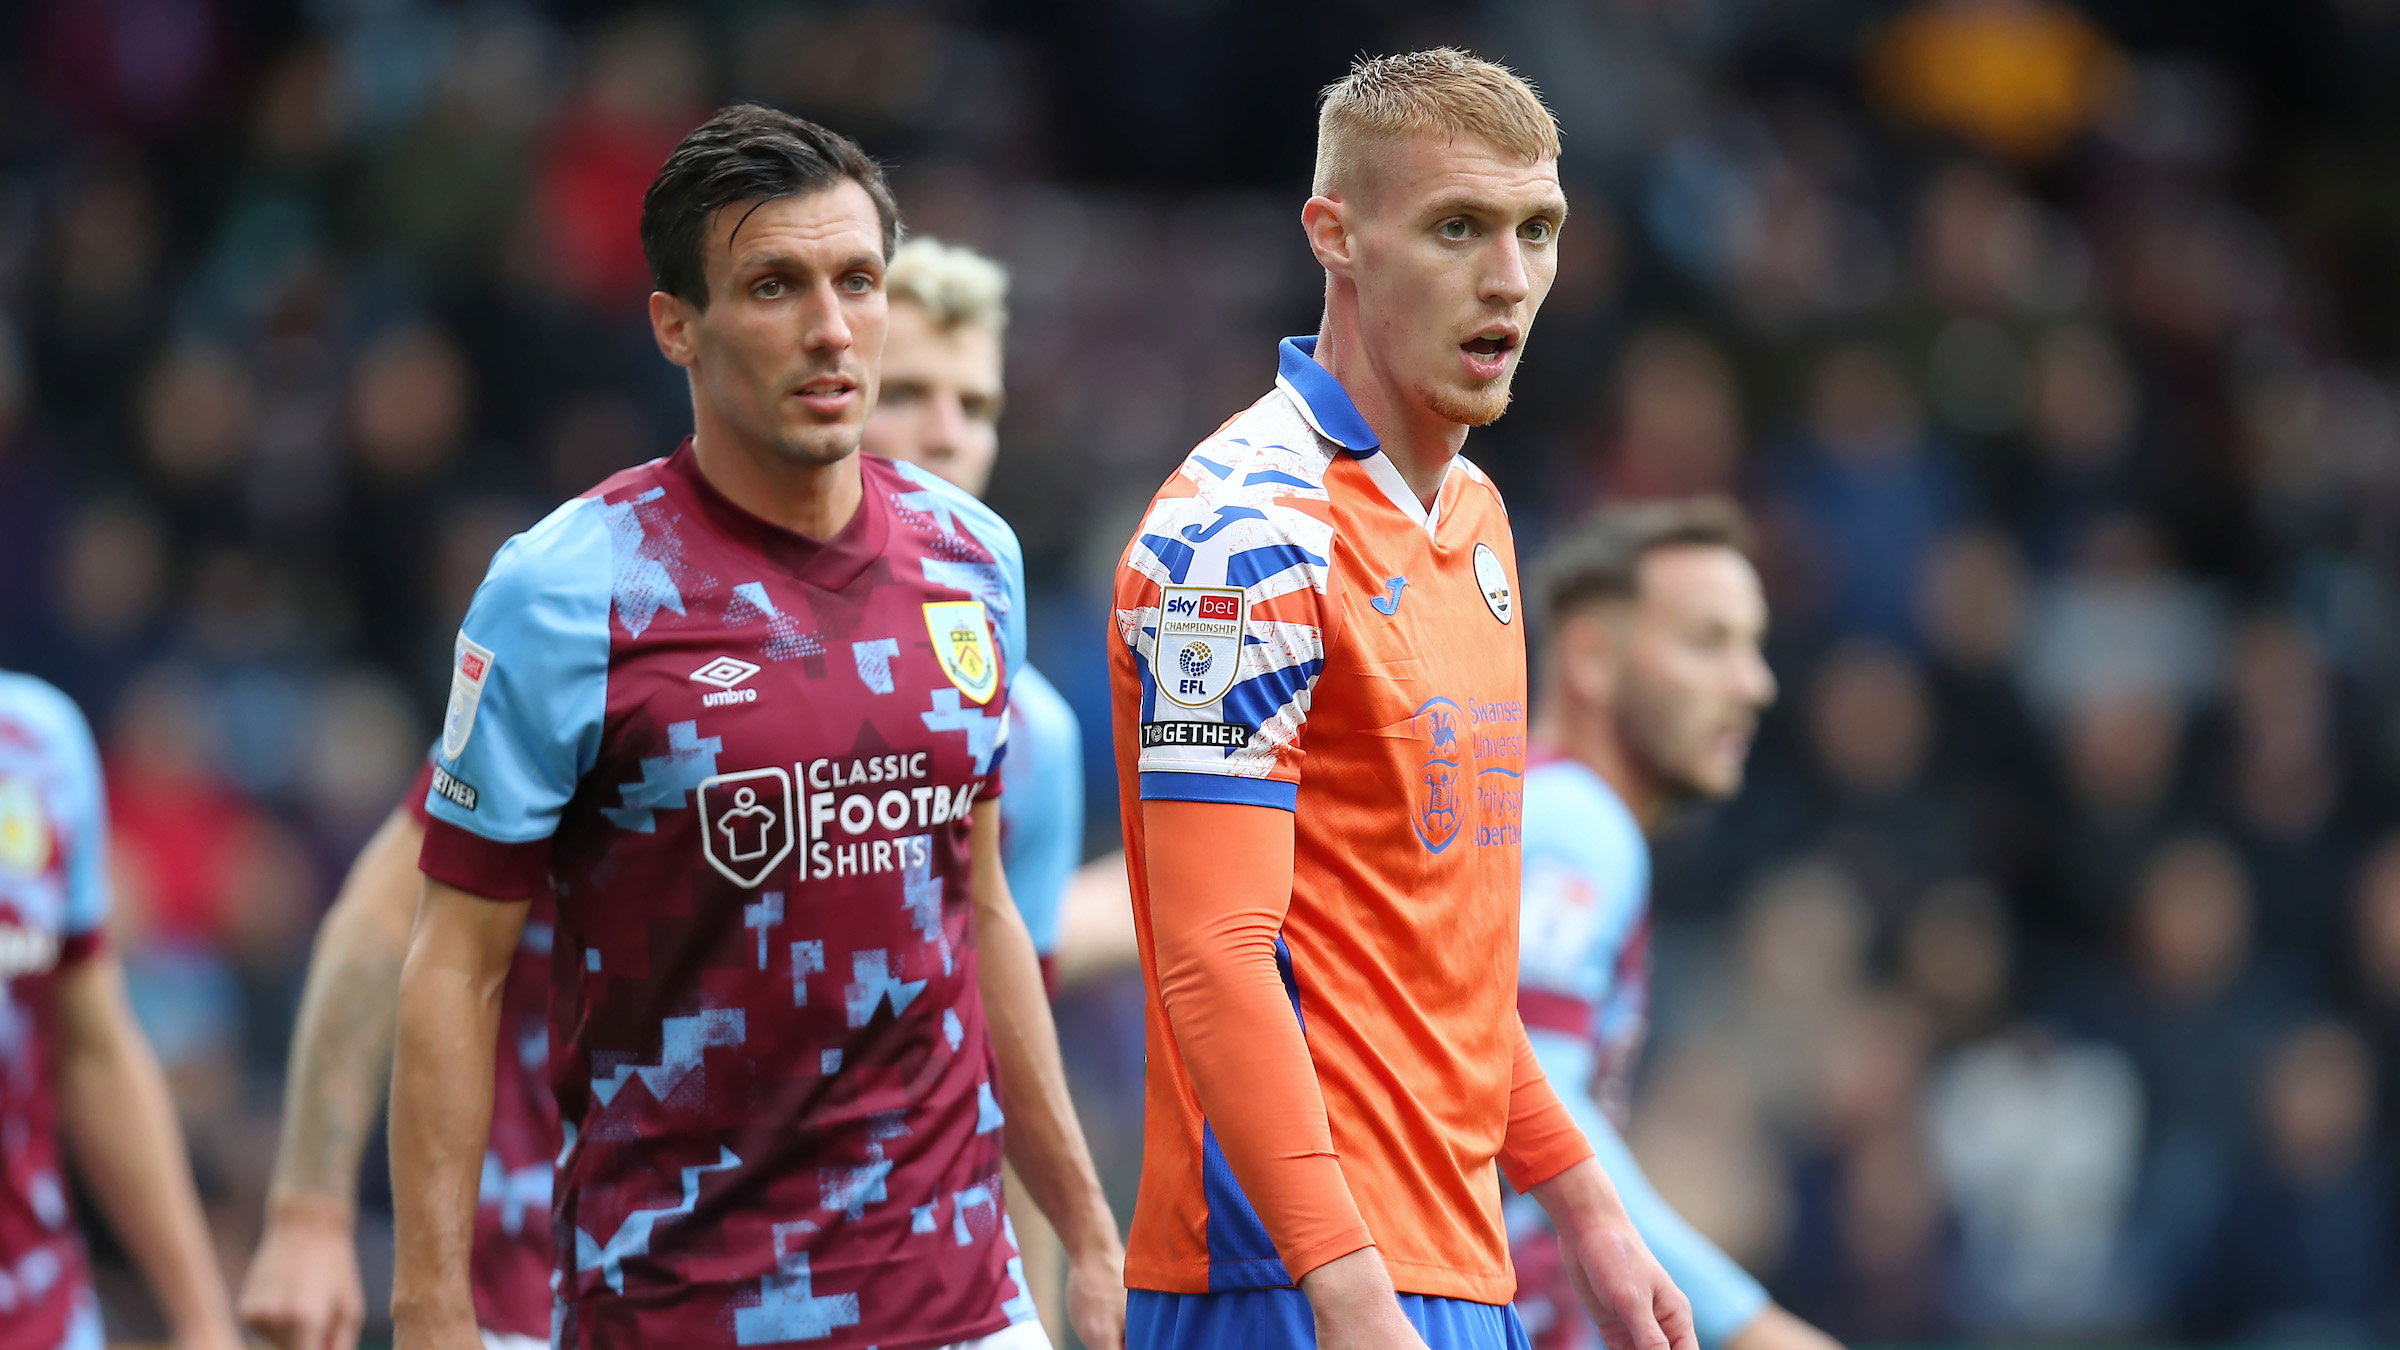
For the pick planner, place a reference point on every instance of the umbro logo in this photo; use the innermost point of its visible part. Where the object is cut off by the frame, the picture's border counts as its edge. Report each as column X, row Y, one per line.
column 725, row 672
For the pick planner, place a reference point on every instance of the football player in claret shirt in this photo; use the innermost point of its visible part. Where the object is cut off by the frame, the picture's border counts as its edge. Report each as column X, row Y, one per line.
column 74, row 1069
column 939, row 409
column 303, row 1289
column 783, row 1056
column 1319, row 706
column 1652, row 680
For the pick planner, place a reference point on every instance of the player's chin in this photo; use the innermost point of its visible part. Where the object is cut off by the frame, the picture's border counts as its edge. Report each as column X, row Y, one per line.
column 1475, row 404
column 819, row 443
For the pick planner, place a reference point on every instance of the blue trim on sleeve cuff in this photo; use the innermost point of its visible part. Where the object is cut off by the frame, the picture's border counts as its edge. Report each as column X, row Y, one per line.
column 1213, row 787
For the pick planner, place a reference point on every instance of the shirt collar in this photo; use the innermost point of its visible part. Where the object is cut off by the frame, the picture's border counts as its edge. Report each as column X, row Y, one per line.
column 1321, row 398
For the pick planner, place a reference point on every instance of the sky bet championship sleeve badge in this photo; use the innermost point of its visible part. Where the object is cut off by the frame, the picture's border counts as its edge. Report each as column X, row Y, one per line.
column 468, row 670
column 962, row 642
column 1199, row 643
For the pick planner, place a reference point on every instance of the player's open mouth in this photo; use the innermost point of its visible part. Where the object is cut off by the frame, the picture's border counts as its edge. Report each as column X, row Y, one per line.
column 1487, row 352
column 831, row 396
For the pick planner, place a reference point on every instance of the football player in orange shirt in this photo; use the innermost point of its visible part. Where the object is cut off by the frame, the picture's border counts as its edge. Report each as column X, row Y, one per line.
column 1319, row 706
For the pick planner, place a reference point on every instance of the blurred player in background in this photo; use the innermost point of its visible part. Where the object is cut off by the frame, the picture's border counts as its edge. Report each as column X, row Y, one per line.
column 1652, row 681
column 73, row 1062
column 1319, row 704
column 303, row 1290
column 743, row 707
column 939, row 409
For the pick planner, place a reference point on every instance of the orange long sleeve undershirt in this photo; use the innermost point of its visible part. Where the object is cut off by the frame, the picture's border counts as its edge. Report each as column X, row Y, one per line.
column 1543, row 1140
column 1220, row 883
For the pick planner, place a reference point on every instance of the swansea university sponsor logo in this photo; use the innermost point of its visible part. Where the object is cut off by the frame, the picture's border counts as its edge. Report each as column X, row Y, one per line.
column 845, row 817
column 1439, row 803
column 1199, row 643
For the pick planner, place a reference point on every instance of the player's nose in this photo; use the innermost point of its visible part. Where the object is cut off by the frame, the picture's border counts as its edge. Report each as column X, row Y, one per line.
column 1505, row 277
column 825, row 326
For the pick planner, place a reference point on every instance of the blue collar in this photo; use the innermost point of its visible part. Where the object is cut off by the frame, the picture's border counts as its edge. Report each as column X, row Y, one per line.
column 1322, row 399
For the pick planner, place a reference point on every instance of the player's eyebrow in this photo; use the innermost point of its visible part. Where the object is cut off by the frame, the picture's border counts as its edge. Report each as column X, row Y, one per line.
column 862, row 261
column 1479, row 204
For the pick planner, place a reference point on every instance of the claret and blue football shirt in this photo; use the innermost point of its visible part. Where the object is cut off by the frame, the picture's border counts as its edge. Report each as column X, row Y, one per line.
column 746, row 761
column 1584, row 991
column 54, row 902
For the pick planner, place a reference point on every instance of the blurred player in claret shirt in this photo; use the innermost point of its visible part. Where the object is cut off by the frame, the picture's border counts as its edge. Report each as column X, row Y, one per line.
column 743, row 710
column 1651, row 685
column 939, row 409
column 303, row 1289
column 75, row 1073
column 1319, row 705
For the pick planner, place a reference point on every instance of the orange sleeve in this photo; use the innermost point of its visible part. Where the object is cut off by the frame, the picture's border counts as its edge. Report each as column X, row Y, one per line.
column 1542, row 1140
column 1220, row 882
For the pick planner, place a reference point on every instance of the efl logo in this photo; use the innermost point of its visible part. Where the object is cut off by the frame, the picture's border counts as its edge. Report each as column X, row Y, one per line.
column 1199, row 643
column 725, row 672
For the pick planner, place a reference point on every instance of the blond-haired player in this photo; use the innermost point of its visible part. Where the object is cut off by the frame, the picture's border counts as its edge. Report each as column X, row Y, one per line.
column 1320, row 722
column 939, row 409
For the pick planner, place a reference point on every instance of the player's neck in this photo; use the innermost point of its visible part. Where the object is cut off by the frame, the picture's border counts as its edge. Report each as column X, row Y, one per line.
column 1589, row 736
column 1419, row 444
column 815, row 500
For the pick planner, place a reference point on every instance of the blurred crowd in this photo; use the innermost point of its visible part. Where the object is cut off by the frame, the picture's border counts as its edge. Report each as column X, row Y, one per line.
column 2046, row 978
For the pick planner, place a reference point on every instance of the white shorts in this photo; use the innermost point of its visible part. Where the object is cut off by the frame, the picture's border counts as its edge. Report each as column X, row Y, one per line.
column 1022, row 1336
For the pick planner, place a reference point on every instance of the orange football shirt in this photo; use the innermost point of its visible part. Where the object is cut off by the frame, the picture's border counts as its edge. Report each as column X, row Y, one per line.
column 1296, row 630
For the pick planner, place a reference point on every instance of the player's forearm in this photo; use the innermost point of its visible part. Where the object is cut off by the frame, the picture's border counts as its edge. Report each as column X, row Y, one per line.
column 1044, row 1140
column 342, row 1046
column 1543, row 1138
column 120, row 1121
column 1220, row 884
column 442, row 1106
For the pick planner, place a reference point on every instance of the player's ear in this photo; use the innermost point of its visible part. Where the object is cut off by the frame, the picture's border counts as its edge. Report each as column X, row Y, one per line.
column 671, row 321
column 1587, row 653
column 1328, row 233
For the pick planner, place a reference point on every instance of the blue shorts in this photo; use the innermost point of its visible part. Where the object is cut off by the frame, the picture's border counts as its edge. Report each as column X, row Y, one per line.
column 1279, row 1319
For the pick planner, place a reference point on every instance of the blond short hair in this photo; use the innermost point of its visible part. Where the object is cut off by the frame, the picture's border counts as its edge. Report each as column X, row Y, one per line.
column 1444, row 90
column 953, row 285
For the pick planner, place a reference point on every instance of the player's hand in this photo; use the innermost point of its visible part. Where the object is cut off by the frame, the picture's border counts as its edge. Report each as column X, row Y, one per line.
column 1356, row 1307
column 1620, row 1283
column 1096, row 1298
column 303, row 1290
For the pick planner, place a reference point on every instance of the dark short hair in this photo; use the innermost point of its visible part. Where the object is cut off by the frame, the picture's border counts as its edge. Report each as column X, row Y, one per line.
column 744, row 153
column 1601, row 559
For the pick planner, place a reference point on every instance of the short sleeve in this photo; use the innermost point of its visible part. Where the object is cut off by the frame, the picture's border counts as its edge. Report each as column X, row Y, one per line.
column 1041, row 815
column 1586, row 892
column 1224, row 600
column 84, row 798
column 528, row 694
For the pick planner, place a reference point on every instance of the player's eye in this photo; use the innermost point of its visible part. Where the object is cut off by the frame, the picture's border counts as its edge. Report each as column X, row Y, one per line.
column 858, row 283
column 1456, row 227
column 770, row 289
column 1535, row 231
